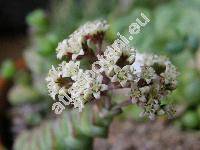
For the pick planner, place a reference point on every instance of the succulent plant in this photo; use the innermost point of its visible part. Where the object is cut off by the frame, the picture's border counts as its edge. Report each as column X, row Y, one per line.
column 147, row 79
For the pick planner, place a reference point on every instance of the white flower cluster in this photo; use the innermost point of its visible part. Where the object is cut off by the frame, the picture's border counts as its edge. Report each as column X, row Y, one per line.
column 61, row 77
column 68, row 78
column 114, row 55
column 74, row 44
column 150, row 77
column 156, row 78
column 87, row 86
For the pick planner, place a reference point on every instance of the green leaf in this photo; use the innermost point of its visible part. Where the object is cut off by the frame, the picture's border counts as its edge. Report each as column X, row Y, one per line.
column 20, row 94
column 190, row 120
column 38, row 20
column 175, row 47
column 47, row 45
column 192, row 92
column 8, row 69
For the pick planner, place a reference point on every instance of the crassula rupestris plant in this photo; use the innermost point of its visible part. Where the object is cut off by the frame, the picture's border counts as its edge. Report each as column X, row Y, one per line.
column 149, row 78
column 86, row 80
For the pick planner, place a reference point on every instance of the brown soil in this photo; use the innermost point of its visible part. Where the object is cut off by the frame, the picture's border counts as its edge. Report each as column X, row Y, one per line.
column 130, row 135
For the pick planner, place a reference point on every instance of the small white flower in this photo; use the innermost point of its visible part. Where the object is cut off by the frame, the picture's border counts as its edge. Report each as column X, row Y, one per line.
column 94, row 27
column 80, row 86
column 79, row 53
column 70, row 46
column 111, row 52
column 107, row 64
column 130, row 53
column 150, row 60
column 69, row 69
column 97, row 86
column 147, row 73
column 78, row 103
column 122, row 75
column 53, row 86
column 61, row 50
column 170, row 75
column 87, row 86
column 139, row 62
column 73, row 45
column 120, row 50
column 138, row 94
